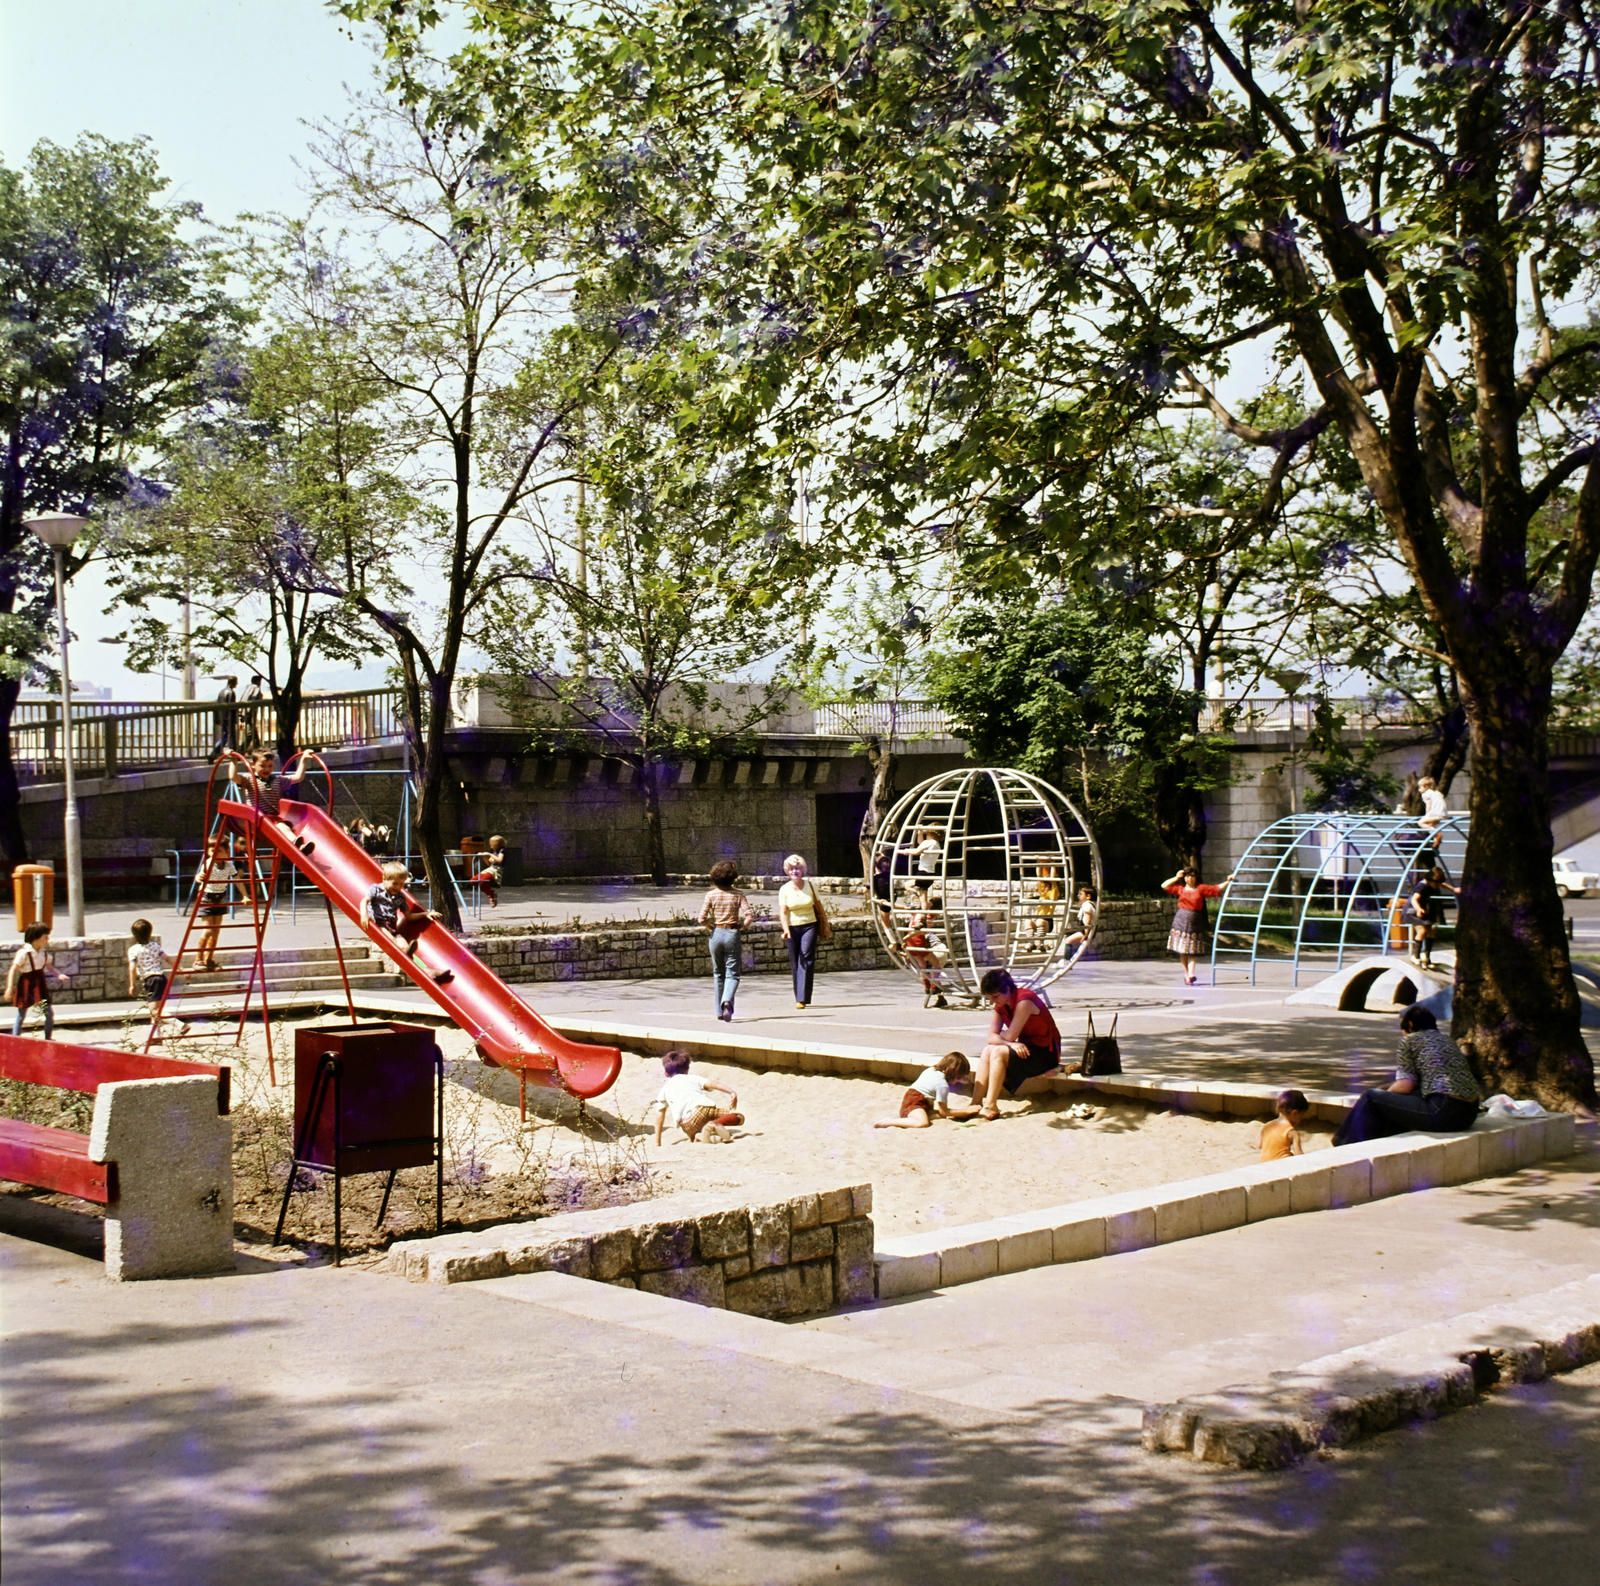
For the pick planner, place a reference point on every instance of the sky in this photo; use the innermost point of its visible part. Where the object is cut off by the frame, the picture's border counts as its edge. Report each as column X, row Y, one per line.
column 223, row 89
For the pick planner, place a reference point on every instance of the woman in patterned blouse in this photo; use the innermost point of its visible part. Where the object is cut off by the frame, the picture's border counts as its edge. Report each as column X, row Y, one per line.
column 727, row 913
column 1434, row 1087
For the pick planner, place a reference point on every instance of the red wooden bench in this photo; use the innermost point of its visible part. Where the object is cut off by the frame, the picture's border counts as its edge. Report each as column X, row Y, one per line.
column 65, row 1163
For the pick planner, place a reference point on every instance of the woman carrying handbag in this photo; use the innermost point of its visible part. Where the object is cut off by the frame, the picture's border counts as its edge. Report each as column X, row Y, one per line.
column 805, row 923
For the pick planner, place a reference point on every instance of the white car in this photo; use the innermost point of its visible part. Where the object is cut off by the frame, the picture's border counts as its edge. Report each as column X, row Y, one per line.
column 1571, row 882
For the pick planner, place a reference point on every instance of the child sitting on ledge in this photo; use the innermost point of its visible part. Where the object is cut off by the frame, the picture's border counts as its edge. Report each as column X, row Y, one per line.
column 687, row 1097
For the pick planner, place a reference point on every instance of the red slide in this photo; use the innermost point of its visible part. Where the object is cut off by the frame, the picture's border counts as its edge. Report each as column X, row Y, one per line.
column 508, row 1032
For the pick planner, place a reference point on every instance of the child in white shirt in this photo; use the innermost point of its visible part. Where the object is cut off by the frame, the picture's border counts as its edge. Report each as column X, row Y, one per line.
column 687, row 1098
column 149, row 970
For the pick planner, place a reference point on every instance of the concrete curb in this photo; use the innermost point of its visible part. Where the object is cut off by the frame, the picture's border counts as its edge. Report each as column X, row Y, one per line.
column 1190, row 1208
column 1414, row 1375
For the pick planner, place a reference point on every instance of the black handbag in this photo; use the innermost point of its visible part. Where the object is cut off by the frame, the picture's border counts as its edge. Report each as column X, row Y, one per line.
column 1101, row 1054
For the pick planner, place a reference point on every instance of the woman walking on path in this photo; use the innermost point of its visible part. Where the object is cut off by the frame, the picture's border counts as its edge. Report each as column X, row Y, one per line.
column 1188, row 937
column 1433, row 1089
column 727, row 913
column 805, row 923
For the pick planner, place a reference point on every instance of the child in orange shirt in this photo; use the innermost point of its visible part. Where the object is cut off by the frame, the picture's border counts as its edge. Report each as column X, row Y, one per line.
column 1281, row 1137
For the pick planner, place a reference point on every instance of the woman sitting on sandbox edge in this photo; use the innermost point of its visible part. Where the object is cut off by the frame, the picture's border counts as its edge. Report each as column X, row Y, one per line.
column 1433, row 1089
column 1024, row 1042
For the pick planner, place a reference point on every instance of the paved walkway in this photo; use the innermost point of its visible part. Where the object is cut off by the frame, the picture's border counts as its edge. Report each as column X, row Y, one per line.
column 341, row 1426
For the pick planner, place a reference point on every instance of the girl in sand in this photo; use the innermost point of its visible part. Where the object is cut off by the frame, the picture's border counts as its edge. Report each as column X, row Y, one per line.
column 1188, row 938
column 930, row 1089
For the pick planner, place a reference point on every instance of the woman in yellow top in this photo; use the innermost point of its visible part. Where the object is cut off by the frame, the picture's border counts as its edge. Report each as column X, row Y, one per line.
column 805, row 922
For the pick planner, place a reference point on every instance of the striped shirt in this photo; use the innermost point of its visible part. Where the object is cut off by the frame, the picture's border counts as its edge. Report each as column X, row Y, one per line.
column 726, row 911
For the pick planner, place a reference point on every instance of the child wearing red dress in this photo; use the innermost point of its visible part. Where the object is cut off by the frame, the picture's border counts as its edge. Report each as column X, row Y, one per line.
column 1188, row 936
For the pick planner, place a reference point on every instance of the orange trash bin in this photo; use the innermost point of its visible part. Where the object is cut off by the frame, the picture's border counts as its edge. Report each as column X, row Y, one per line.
column 33, row 889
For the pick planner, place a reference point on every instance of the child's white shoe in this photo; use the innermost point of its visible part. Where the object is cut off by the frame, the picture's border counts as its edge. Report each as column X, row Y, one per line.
column 715, row 1134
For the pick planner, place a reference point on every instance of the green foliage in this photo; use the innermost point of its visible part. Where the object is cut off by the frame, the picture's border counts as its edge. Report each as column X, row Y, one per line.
column 1347, row 780
column 1049, row 687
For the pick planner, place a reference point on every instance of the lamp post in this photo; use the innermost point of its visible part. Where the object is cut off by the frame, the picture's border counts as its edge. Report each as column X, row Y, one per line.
column 1291, row 683
column 58, row 530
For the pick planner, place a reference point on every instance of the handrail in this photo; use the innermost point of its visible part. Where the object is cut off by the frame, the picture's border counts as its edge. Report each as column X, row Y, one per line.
column 116, row 735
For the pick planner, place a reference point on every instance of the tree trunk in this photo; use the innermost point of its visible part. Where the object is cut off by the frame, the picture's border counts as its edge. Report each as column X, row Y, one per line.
column 12, row 841
column 884, row 761
column 430, row 808
column 1515, row 1000
column 1180, row 815
column 1449, row 754
column 649, row 773
column 290, row 702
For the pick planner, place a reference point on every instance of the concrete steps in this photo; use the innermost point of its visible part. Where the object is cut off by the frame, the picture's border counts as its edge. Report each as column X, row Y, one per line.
column 290, row 970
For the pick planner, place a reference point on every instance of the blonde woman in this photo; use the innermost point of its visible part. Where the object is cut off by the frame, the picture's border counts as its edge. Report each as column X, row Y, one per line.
column 805, row 923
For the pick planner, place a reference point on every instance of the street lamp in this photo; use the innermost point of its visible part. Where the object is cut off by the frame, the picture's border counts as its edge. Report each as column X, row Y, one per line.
column 1291, row 683
column 58, row 530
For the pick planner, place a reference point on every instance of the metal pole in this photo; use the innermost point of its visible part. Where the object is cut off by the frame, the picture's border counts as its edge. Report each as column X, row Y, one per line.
column 1294, row 766
column 188, row 650
column 582, row 546
column 70, row 823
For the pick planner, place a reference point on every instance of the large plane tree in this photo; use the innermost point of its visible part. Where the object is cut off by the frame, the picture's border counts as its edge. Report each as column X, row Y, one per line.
column 976, row 248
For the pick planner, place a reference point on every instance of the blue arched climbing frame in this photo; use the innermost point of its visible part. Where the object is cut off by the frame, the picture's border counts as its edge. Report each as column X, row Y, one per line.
column 1324, row 887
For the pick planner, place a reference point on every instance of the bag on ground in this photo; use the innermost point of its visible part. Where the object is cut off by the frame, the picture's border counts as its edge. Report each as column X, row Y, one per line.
column 1101, row 1054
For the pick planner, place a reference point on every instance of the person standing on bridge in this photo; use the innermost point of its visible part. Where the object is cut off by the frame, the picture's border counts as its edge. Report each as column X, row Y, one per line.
column 225, row 718
column 1189, row 926
column 250, row 715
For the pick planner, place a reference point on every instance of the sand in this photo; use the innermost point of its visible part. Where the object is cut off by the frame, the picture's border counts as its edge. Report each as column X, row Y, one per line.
column 818, row 1126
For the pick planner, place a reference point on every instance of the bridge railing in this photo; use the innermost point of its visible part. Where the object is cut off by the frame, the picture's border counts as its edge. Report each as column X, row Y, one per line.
column 1275, row 713
column 898, row 718
column 109, row 736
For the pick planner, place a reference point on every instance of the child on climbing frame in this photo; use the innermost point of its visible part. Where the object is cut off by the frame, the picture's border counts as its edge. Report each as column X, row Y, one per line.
column 1280, row 1137
column 387, row 908
column 930, row 1090
column 28, row 983
column 922, row 950
column 687, row 1097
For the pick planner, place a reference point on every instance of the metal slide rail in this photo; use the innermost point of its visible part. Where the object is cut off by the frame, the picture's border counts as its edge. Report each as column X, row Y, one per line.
column 1316, row 888
column 111, row 736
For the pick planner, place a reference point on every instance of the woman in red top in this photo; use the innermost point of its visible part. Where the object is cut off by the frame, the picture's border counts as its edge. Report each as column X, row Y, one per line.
column 1023, row 1041
column 1188, row 938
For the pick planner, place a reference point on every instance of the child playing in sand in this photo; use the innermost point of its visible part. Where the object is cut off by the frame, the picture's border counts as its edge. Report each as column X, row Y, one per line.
column 687, row 1097
column 493, row 875
column 31, row 973
column 1281, row 1136
column 1088, row 911
column 387, row 908
column 923, row 950
column 149, row 970
column 930, row 1089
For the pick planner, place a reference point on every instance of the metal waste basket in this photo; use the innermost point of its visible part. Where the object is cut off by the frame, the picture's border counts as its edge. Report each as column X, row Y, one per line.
column 33, row 888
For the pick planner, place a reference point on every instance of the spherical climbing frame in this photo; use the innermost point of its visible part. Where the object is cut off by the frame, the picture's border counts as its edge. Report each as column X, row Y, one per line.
column 1013, row 852
column 1313, row 885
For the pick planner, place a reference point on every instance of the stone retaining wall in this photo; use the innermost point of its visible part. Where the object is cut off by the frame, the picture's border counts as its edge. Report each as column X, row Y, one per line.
column 784, row 1254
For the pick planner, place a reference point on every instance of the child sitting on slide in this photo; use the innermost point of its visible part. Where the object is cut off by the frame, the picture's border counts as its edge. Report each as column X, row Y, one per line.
column 268, row 793
column 687, row 1097
column 930, row 1089
column 387, row 907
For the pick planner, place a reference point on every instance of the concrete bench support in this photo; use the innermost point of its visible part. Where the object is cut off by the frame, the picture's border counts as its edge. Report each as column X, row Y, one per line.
column 171, row 1209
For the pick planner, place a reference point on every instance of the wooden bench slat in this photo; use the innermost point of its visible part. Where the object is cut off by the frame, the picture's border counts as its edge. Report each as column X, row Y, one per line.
column 53, row 1159
column 86, row 1068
